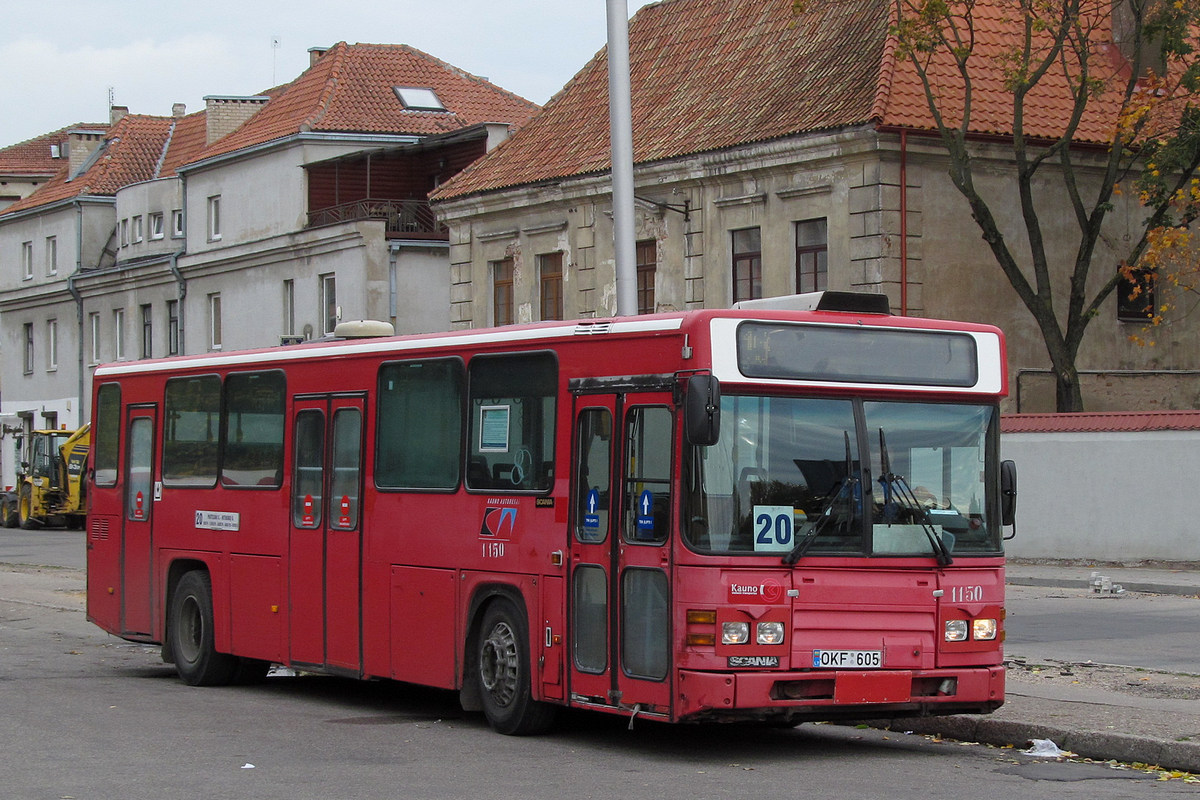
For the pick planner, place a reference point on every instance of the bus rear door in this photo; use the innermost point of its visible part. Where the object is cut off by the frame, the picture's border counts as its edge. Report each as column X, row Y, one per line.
column 620, row 558
column 136, row 524
column 325, row 586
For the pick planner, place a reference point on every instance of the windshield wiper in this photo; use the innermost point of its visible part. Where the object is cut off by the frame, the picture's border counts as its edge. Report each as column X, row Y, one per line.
column 844, row 487
column 897, row 486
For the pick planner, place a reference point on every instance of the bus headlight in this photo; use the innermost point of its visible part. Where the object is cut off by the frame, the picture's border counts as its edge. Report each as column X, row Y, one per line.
column 956, row 630
column 735, row 632
column 983, row 630
column 770, row 633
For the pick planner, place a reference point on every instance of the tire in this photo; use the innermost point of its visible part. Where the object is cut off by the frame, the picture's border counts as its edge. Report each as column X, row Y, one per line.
column 502, row 671
column 9, row 516
column 25, row 508
column 190, row 634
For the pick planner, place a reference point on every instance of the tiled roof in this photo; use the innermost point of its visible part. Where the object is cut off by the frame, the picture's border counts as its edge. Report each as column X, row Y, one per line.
column 1104, row 421
column 32, row 157
column 712, row 74
column 133, row 151
column 350, row 89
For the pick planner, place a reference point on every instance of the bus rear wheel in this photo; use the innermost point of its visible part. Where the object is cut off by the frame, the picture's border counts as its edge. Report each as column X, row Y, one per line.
column 191, row 634
column 503, row 673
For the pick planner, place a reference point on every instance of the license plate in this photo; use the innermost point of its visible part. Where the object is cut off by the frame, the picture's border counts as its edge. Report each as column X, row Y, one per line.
column 847, row 659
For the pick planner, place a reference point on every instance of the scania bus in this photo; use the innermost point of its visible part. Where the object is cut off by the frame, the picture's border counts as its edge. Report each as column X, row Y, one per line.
column 744, row 514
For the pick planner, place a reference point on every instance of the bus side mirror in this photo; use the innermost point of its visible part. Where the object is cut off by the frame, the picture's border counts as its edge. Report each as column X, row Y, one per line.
column 1008, row 492
column 702, row 410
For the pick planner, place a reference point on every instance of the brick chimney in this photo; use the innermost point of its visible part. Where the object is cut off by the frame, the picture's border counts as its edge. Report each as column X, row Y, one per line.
column 80, row 146
column 116, row 114
column 315, row 53
column 224, row 115
column 178, row 110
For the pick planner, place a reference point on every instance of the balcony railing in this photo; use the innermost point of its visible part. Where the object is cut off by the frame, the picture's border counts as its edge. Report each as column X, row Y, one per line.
column 407, row 219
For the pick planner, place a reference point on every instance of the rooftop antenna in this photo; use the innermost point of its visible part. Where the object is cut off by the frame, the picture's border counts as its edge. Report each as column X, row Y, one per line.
column 112, row 96
column 274, row 51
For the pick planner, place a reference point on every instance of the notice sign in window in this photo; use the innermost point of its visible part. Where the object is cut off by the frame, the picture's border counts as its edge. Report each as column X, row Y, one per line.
column 493, row 429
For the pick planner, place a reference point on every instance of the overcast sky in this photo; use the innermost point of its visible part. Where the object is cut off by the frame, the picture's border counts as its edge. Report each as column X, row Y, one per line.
column 61, row 58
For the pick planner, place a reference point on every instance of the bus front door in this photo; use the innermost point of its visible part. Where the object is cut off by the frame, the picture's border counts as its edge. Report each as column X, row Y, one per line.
column 136, row 525
column 325, row 587
column 620, row 554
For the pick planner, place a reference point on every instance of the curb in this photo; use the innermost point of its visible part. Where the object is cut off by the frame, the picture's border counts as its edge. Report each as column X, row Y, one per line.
column 1145, row 588
column 1122, row 747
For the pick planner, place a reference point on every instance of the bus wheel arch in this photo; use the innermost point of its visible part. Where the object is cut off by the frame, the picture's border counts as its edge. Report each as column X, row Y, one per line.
column 190, row 634
column 499, row 675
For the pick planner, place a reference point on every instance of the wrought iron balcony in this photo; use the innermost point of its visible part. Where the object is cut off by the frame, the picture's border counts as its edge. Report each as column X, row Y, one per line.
column 406, row 219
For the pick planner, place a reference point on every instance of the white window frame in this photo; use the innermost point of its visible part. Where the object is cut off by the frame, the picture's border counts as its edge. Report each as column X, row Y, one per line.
column 51, row 345
column 51, row 256
column 27, row 261
column 155, row 224
column 94, row 327
column 329, row 307
column 119, row 334
column 125, row 232
column 136, row 235
column 289, row 307
column 214, row 218
column 28, row 348
column 214, row 321
column 177, row 230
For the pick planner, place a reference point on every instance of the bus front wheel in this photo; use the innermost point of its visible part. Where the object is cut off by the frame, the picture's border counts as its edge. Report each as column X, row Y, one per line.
column 191, row 634
column 504, row 675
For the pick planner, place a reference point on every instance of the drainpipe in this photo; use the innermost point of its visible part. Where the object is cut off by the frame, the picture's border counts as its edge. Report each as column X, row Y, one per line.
column 78, row 297
column 181, row 282
column 904, row 222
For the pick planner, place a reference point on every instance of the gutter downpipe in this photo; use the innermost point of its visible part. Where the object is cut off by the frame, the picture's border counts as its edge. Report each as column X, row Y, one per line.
column 904, row 222
column 73, row 290
column 181, row 282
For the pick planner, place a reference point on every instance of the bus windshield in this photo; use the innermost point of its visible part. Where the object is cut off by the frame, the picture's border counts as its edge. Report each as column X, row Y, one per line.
column 788, row 477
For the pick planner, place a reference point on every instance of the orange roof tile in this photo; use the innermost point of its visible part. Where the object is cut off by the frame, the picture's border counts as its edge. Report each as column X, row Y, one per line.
column 350, row 89
column 132, row 152
column 1101, row 421
column 32, row 156
column 712, row 74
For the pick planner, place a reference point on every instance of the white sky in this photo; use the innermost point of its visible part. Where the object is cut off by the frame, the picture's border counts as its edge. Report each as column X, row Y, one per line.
column 61, row 58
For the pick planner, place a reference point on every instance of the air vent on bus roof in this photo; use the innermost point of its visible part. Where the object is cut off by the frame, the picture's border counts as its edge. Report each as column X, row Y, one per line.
column 363, row 329
column 592, row 328
column 860, row 302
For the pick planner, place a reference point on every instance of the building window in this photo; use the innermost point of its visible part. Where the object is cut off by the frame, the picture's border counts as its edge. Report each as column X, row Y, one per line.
column 147, row 331
column 125, row 232
column 647, row 266
column 27, row 260
column 812, row 256
column 214, row 322
column 156, row 225
column 289, row 308
column 1135, row 296
column 136, row 235
column 329, row 307
column 94, row 328
column 502, row 291
column 214, row 218
column 119, row 334
column 172, row 327
column 28, row 348
column 550, row 275
column 747, row 265
column 177, row 223
column 51, row 345
column 51, row 255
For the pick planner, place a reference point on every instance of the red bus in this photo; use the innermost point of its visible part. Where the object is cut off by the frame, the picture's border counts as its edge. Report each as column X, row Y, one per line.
column 744, row 514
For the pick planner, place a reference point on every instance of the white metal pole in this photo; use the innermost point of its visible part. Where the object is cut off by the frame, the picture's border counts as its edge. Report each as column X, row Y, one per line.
column 621, row 131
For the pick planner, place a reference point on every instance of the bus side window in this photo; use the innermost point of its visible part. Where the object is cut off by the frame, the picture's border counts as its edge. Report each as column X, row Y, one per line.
column 648, row 474
column 107, row 435
column 511, row 436
column 252, row 447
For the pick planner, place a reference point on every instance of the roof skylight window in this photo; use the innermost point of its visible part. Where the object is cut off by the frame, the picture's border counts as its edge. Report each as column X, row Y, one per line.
column 416, row 98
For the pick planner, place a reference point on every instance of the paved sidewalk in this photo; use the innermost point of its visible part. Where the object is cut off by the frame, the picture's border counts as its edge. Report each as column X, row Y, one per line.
column 1088, row 721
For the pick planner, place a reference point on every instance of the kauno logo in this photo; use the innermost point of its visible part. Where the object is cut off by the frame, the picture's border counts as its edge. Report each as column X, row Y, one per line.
column 768, row 591
column 499, row 522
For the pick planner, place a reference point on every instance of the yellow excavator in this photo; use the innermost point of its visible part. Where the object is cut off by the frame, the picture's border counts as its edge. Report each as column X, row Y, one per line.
column 51, row 486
